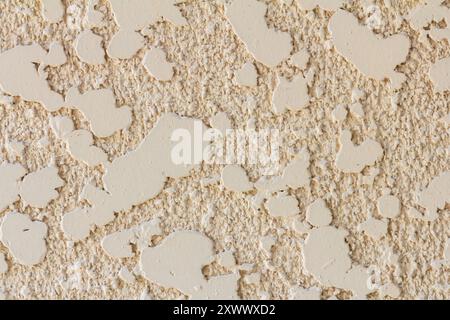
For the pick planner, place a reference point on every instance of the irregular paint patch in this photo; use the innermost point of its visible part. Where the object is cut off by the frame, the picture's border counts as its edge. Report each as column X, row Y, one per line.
column 357, row 109
column 318, row 214
column 132, row 16
column 56, row 55
column 267, row 243
column 247, row 18
column 137, row 176
column 374, row 228
column 373, row 56
column 89, row 48
column 246, row 75
column 235, row 179
column 435, row 195
column 295, row 175
column 326, row 257
column 388, row 206
column 353, row 159
column 227, row 260
column 99, row 107
column 24, row 238
column 3, row 264
column 126, row 276
column 290, row 95
column 330, row 5
column 301, row 58
column 155, row 62
column 94, row 17
column 81, row 147
column 440, row 74
column 38, row 188
column 20, row 77
column 10, row 177
column 282, row 206
column 52, row 10
column 177, row 262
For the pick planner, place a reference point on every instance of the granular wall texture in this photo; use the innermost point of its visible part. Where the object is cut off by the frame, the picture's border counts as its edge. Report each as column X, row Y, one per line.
column 354, row 203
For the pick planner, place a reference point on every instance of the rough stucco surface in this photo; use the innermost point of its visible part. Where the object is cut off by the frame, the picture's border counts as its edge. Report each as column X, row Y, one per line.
column 205, row 53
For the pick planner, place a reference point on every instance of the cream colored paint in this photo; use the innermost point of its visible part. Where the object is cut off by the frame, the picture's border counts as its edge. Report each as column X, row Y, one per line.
column 435, row 195
column 329, row 5
column 235, row 179
column 24, row 238
column 177, row 263
column 440, row 74
column 425, row 14
column 81, row 147
column 300, row 293
column 19, row 76
column 374, row 228
column 56, row 55
column 247, row 20
column 221, row 122
column 39, row 188
column 353, row 159
column 357, row 110
column 388, row 206
column 155, row 62
column 89, row 48
column 317, row 214
column 282, row 206
column 99, row 106
column 10, row 177
column 374, row 56
column 290, row 95
column 132, row 16
column 133, row 178
column 126, row 276
column 3, row 264
column 247, row 75
column 301, row 58
column 118, row 245
column 53, row 10
column 339, row 113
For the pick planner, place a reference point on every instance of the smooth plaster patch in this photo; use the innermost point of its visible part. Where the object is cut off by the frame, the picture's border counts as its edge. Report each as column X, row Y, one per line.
column 330, row 5
column 38, row 188
column 353, row 159
column 290, row 95
column 318, row 213
column 178, row 261
column 248, row 20
column 155, row 62
column 435, row 195
column 53, row 10
column 374, row 56
column 246, row 75
column 24, row 238
column 388, row 206
column 440, row 74
column 374, row 228
column 132, row 16
column 235, row 179
column 282, row 206
column 89, row 48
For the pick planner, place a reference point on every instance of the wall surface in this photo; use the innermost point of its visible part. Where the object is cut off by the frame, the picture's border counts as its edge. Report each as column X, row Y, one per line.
column 354, row 94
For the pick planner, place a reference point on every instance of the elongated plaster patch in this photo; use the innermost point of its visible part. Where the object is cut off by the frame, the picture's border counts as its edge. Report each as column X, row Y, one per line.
column 155, row 62
column 235, row 179
column 268, row 46
column 38, row 188
column 135, row 177
column 178, row 261
column 440, row 74
column 282, row 206
column 373, row 56
column 132, row 16
column 24, row 238
column 89, row 48
column 246, row 75
column 53, row 10
column 290, row 95
column 435, row 195
column 353, row 159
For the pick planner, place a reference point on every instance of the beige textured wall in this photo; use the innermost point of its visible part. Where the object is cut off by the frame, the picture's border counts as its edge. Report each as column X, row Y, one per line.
column 407, row 261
